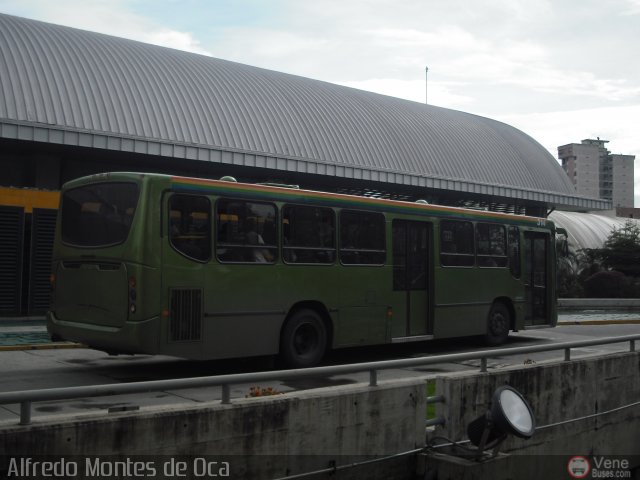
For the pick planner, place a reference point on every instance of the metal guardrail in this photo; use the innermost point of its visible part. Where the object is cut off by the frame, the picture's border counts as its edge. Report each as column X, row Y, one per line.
column 27, row 397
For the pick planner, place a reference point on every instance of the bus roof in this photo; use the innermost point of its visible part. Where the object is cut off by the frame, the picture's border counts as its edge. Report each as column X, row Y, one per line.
column 267, row 192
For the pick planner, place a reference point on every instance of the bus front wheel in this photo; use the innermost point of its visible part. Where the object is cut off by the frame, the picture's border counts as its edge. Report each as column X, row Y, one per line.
column 304, row 339
column 498, row 324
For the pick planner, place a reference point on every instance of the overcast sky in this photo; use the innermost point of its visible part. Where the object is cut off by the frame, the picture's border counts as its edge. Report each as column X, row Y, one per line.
column 561, row 71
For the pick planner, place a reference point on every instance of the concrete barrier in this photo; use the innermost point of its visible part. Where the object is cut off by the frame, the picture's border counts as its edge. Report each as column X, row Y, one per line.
column 609, row 304
column 266, row 437
column 590, row 391
column 328, row 429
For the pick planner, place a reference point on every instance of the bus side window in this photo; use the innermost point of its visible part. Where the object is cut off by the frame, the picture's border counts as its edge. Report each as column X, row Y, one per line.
column 514, row 251
column 456, row 243
column 190, row 226
column 362, row 238
column 246, row 232
column 308, row 234
column 492, row 245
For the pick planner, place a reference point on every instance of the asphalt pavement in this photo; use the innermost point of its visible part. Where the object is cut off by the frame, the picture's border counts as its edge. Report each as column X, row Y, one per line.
column 25, row 333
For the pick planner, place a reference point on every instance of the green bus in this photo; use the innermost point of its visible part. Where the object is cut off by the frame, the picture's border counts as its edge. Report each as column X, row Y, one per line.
column 211, row 269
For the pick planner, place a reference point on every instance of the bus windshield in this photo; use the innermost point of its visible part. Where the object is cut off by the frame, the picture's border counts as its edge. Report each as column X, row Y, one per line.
column 98, row 215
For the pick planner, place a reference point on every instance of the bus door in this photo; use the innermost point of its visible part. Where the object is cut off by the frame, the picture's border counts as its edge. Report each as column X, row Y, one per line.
column 186, row 249
column 536, row 277
column 411, row 280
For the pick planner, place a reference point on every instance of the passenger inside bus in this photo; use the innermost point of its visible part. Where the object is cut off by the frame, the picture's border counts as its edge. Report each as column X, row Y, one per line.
column 259, row 255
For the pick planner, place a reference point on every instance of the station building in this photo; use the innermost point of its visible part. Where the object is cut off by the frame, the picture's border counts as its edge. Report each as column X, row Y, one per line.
column 74, row 103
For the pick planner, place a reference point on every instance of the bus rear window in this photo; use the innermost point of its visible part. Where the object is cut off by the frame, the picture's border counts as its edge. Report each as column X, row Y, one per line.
column 98, row 215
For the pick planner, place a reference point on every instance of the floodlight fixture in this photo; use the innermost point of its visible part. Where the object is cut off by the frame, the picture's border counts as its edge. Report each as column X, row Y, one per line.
column 510, row 414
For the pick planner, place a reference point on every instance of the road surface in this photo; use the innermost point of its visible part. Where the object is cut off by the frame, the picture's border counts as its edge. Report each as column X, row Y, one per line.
column 28, row 369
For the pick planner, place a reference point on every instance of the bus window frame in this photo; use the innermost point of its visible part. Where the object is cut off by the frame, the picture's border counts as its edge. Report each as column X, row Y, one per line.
column 471, row 256
column 209, row 234
column 285, row 246
column 515, row 260
column 350, row 250
column 275, row 248
column 490, row 257
column 132, row 218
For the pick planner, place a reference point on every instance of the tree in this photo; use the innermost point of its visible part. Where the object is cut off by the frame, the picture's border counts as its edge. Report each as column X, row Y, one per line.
column 608, row 284
column 621, row 251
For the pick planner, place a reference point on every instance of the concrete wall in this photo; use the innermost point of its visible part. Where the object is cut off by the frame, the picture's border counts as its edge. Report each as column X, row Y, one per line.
column 298, row 432
column 557, row 392
column 266, row 437
column 572, row 304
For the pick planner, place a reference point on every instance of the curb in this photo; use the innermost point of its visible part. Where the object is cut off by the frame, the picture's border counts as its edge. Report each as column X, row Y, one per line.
column 70, row 345
column 41, row 346
column 632, row 321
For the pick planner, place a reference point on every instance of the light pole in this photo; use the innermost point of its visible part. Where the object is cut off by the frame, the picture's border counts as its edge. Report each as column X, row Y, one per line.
column 426, row 84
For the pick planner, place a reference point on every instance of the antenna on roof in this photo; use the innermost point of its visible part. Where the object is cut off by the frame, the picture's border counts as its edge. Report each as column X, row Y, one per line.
column 426, row 73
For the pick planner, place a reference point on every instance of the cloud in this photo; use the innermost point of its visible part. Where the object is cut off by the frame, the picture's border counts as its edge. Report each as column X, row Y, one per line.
column 266, row 45
column 618, row 124
column 439, row 93
column 525, row 63
column 451, row 37
column 173, row 39
column 632, row 7
column 111, row 17
column 559, row 71
column 379, row 43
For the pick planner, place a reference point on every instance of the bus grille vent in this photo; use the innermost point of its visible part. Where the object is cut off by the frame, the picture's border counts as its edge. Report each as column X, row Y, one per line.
column 186, row 314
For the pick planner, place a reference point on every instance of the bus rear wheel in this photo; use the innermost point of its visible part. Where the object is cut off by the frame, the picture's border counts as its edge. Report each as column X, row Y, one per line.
column 498, row 324
column 304, row 339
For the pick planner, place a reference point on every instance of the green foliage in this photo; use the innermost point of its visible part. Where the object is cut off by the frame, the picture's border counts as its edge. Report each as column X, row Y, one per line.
column 431, row 391
column 606, row 284
column 569, row 285
column 621, row 251
column 573, row 269
column 612, row 271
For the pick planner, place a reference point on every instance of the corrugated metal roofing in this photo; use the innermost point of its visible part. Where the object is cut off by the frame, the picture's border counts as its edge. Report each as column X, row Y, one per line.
column 65, row 85
column 588, row 230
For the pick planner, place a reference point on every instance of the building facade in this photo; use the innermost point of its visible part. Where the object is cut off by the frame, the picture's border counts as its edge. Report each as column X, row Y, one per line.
column 596, row 172
column 74, row 103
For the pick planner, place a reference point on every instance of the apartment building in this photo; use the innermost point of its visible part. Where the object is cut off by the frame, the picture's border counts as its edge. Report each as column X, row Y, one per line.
column 597, row 173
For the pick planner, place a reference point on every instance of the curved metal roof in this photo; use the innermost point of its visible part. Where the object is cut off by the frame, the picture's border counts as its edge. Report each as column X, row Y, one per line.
column 587, row 230
column 70, row 86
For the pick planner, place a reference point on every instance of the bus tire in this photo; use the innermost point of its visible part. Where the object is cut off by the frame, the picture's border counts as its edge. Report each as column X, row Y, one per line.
column 498, row 324
column 303, row 341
